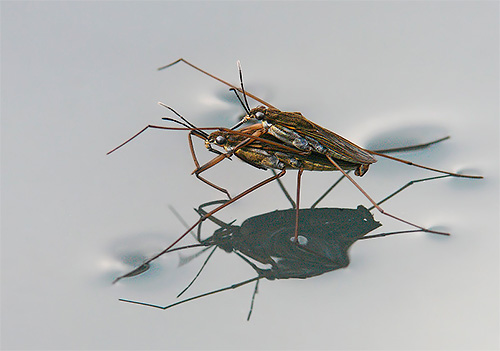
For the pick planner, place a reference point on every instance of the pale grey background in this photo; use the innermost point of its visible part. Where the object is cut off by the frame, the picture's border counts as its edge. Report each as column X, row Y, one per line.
column 78, row 78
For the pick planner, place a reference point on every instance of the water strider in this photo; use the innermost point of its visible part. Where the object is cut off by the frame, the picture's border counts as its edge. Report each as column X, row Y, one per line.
column 285, row 141
column 252, row 152
column 294, row 130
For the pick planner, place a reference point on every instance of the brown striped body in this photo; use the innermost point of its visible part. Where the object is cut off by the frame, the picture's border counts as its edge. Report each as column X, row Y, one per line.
column 295, row 130
column 263, row 153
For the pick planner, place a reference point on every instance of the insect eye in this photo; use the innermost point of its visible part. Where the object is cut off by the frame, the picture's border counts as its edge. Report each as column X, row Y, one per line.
column 259, row 115
column 220, row 140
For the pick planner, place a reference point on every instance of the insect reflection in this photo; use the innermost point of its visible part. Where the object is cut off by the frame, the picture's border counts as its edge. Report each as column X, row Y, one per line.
column 266, row 242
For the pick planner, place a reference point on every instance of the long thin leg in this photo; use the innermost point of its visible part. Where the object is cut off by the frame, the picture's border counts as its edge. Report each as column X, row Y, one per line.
column 199, row 272
column 184, row 260
column 191, row 149
column 396, row 149
column 234, row 286
column 394, row 194
column 410, row 183
column 208, row 165
column 212, row 162
column 412, row 147
column 179, row 217
column 220, row 80
column 255, row 291
column 221, row 156
column 297, row 208
column 282, row 187
column 391, row 233
column 139, row 270
column 409, row 163
column 264, row 182
column 328, row 191
column 200, row 210
column 143, row 130
column 377, row 206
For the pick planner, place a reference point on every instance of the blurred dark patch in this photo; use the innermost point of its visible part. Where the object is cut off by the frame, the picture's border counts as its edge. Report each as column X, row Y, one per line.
column 326, row 233
column 233, row 112
column 265, row 242
column 135, row 249
column 405, row 136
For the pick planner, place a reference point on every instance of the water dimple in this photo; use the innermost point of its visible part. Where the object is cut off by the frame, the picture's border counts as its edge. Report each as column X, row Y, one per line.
column 302, row 240
column 126, row 256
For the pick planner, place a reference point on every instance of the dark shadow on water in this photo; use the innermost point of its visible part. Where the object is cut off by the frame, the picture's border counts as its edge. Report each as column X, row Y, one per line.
column 405, row 136
column 325, row 236
column 131, row 252
column 266, row 243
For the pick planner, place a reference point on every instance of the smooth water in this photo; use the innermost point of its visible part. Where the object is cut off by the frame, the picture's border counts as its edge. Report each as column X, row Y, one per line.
column 79, row 78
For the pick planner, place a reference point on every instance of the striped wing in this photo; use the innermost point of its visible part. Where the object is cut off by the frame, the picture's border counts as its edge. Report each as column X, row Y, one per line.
column 339, row 147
